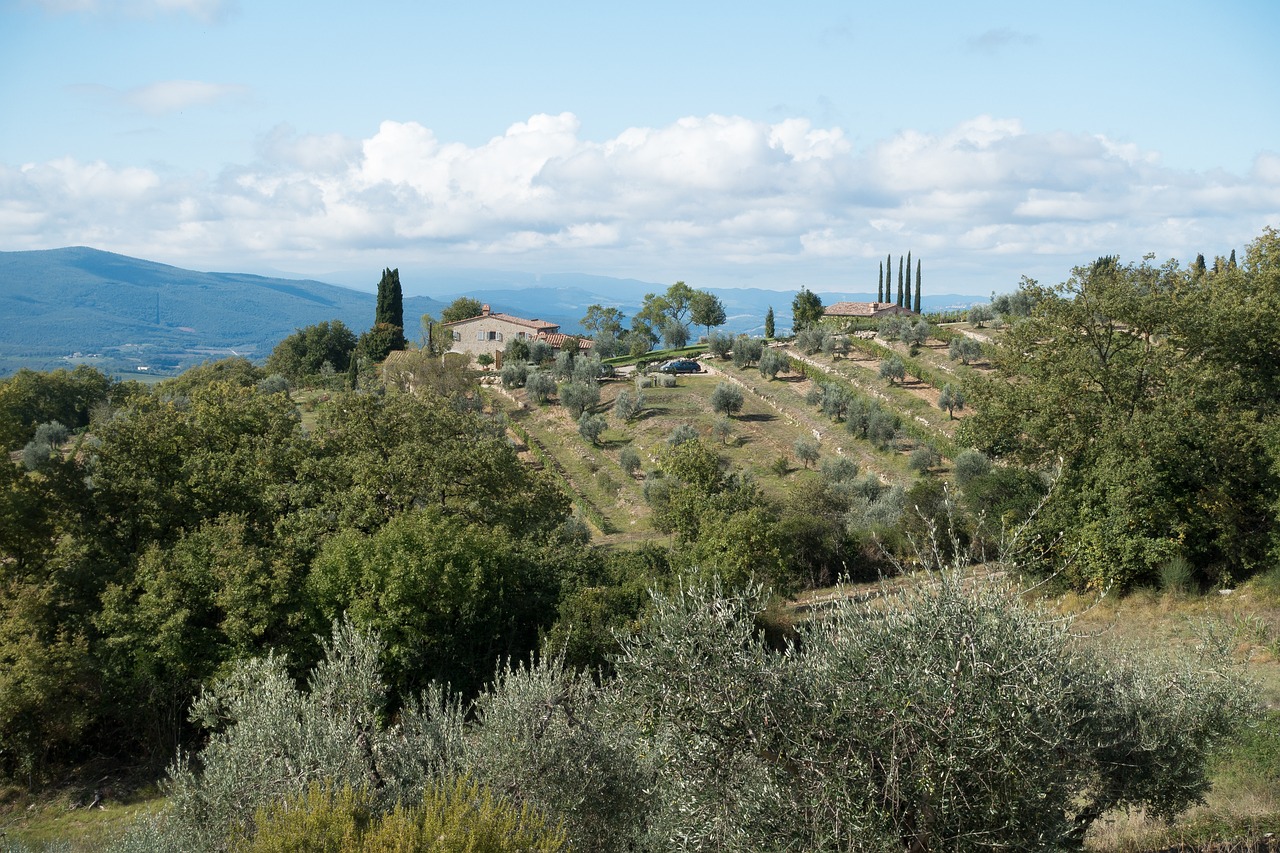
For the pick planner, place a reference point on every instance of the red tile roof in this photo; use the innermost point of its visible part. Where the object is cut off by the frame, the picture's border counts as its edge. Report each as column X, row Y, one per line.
column 538, row 325
column 557, row 340
column 862, row 309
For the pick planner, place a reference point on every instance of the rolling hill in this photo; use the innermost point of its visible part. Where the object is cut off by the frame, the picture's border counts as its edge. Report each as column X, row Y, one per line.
column 60, row 307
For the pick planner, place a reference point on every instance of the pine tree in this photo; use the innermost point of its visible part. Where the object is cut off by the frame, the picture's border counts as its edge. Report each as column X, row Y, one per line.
column 880, row 286
column 901, row 299
column 917, row 285
column 768, row 323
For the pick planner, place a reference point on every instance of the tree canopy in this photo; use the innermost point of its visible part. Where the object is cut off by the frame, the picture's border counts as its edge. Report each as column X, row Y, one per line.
column 1145, row 386
column 806, row 310
column 462, row 308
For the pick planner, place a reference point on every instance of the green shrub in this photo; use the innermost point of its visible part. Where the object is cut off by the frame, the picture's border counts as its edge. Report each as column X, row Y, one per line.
column 459, row 816
column 629, row 459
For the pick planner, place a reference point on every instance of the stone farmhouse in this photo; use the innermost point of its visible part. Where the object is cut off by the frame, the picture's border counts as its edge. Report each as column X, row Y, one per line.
column 489, row 331
column 864, row 310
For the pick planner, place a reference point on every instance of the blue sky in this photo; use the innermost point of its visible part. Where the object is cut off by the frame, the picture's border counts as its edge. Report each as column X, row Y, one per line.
column 754, row 144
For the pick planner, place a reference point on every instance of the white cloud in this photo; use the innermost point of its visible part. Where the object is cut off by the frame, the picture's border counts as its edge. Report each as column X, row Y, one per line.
column 712, row 197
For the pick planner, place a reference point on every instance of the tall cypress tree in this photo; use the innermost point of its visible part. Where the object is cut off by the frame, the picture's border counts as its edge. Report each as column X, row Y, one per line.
column 768, row 323
column 917, row 285
column 888, row 277
column 880, row 286
column 901, row 303
column 907, row 304
column 390, row 307
column 1231, row 261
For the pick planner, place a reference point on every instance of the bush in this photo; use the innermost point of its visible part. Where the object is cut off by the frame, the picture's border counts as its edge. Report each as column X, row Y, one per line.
column 681, row 434
column 36, row 455
column 994, row 729
column 52, row 433
column 838, row 469
column 1176, row 575
column 629, row 460
column 514, row 374
column 274, row 384
column 459, row 816
column 970, row 465
column 922, row 459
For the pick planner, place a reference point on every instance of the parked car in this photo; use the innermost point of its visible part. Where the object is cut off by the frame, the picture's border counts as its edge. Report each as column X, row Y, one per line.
column 681, row 365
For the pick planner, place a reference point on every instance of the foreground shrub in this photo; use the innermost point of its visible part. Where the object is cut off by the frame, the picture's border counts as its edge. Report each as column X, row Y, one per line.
column 459, row 816
column 947, row 716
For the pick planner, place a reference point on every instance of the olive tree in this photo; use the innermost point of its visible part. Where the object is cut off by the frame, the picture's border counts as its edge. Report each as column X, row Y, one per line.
column 951, row 399
column 893, row 369
column 726, row 399
column 990, row 729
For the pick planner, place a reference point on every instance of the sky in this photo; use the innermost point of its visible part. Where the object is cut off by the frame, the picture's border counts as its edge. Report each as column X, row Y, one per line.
column 725, row 144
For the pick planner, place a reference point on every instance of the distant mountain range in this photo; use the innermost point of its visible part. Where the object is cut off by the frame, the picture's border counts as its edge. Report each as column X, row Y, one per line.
column 60, row 307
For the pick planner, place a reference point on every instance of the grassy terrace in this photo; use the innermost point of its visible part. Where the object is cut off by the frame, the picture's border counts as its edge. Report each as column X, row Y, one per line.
column 773, row 417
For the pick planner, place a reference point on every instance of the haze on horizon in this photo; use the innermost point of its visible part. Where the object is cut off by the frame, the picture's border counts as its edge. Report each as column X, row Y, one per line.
column 722, row 144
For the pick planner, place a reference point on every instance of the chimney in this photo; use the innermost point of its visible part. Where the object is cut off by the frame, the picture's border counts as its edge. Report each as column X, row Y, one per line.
column 484, row 311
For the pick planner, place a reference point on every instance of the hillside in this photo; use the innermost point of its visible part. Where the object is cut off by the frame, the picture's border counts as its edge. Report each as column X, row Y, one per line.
column 60, row 307
column 120, row 313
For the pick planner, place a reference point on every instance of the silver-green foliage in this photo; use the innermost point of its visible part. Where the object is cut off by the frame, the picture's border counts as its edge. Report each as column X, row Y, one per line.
column 811, row 340
column 591, row 427
column 726, row 399
column 547, row 738
column 948, row 716
column 540, row 385
column 578, row 396
column 773, row 362
column 627, row 407
column 269, row 740
column 942, row 718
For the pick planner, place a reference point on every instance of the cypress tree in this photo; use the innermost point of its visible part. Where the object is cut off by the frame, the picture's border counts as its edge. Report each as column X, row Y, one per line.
column 768, row 323
column 390, row 307
column 901, row 301
column 917, row 285
column 353, row 373
column 880, row 286
column 908, row 302
column 1231, row 261
column 888, row 277
column 1199, row 269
